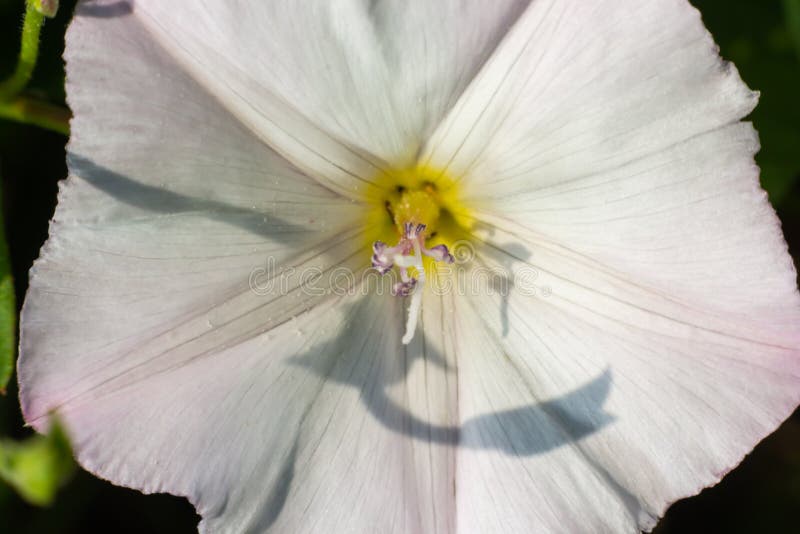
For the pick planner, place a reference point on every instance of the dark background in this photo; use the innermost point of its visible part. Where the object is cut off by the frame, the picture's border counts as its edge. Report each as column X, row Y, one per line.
column 761, row 496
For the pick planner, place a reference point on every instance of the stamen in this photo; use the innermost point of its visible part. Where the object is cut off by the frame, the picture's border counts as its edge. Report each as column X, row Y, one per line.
column 404, row 289
column 408, row 212
column 406, row 286
column 380, row 261
column 439, row 253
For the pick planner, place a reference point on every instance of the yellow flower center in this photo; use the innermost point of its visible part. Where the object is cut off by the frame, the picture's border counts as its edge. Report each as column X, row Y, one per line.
column 415, row 223
column 416, row 207
column 419, row 196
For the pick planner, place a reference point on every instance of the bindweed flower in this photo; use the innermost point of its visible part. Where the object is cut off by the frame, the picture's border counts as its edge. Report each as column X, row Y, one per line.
column 590, row 311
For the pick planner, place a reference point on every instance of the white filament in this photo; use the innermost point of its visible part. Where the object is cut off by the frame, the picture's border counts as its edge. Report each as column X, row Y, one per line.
column 416, row 297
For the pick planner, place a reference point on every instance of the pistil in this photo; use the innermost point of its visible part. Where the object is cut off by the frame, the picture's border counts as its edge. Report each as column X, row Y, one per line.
column 408, row 254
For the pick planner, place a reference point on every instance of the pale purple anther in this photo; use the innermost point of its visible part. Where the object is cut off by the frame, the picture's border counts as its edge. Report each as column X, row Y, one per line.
column 404, row 289
column 439, row 253
column 380, row 260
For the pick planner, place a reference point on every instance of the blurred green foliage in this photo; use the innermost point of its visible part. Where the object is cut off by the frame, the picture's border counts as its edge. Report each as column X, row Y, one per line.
column 762, row 37
column 38, row 466
column 8, row 312
column 792, row 11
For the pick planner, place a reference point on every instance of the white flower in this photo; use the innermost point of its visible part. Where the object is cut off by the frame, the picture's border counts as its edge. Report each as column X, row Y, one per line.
column 596, row 145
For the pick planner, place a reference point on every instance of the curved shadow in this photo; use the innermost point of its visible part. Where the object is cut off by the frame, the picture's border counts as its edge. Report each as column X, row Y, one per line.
column 518, row 431
column 521, row 432
column 515, row 431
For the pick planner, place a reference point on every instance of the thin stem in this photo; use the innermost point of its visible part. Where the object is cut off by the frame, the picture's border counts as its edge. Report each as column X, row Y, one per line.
column 38, row 113
column 28, row 52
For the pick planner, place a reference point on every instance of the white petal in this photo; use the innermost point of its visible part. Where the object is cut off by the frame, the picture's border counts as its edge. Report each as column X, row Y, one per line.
column 434, row 49
column 598, row 148
column 328, row 83
column 140, row 327
column 671, row 392
column 171, row 206
column 579, row 87
column 600, row 152
column 690, row 222
column 326, row 423
column 171, row 374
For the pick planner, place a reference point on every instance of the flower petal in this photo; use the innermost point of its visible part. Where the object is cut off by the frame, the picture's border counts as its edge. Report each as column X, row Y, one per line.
column 679, row 389
column 170, row 209
column 580, row 87
column 600, row 152
column 170, row 371
column 322, row 423
column 690, row 222
column 339, row 88
column 142, row 328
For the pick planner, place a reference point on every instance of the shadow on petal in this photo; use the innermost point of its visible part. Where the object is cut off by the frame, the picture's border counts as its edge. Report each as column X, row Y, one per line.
column 522, row 431
column 518, row 431
column 160, row 200
column 525, row 431
column 277, row 495
column 502, row 282
column 104, row 10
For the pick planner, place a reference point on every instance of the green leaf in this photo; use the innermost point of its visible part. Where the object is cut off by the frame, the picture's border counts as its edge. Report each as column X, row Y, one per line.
column 8, row 312
column 37, row 467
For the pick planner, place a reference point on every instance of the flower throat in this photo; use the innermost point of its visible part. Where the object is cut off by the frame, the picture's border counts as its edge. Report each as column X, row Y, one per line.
column 415, row 213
